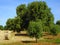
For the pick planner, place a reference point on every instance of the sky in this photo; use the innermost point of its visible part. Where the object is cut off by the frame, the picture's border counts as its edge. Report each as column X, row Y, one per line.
column 8, row 8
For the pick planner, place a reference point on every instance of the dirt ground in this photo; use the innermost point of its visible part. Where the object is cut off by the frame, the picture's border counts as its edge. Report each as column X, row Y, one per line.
column 14, row 37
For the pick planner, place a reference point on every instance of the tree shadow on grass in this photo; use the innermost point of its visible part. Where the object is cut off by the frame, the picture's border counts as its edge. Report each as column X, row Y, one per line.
column 21, row 35
column 29, row 41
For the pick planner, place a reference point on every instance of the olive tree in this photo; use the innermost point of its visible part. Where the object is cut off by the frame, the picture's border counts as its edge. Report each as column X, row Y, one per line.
column 35, row 29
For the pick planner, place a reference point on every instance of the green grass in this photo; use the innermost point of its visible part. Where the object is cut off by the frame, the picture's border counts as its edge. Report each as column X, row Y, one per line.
column 57, row 41
column 16, row 43
column 52, row 40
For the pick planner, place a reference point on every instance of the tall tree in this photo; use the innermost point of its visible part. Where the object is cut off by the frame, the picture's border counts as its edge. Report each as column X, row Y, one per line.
column 33, row 11
column 40, row 10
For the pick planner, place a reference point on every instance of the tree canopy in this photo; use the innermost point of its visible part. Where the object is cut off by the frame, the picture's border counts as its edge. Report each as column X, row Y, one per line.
column 35, row 29
column 33, row 11
column 13, row 24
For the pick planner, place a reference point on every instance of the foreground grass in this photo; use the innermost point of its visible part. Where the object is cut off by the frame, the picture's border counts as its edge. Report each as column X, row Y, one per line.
column 57, row 41
column 41, row 42
column 16, row 43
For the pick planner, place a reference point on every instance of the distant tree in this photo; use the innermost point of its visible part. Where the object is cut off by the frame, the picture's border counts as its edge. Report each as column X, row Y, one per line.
column 58, row 22
column 10, row 24
column 1, row 27
column 5, row 27
column 13, row 24
column 35, row 29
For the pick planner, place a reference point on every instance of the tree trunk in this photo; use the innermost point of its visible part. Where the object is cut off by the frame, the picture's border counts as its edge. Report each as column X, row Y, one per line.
column 36, row 40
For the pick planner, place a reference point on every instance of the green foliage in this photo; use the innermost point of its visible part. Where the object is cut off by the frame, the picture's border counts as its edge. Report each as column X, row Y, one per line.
column 1, row 27
column 33, row 11
column 10, row 24
column 17, row 24
column 35, row 29
column 46, row 29
column 13, row 24
column 55, row 30
column 22, row 13
column 5, row 27
column 58, row 22
column 21, row 9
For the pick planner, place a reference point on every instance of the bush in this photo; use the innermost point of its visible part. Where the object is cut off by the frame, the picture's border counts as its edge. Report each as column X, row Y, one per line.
column 55, row 29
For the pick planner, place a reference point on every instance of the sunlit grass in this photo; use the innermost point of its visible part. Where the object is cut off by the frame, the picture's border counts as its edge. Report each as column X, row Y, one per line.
column 16, row 43
column 52, row 40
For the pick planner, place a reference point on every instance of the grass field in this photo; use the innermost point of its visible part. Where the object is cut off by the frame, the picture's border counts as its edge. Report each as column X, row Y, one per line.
column 40, row 42
column 20, row 43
